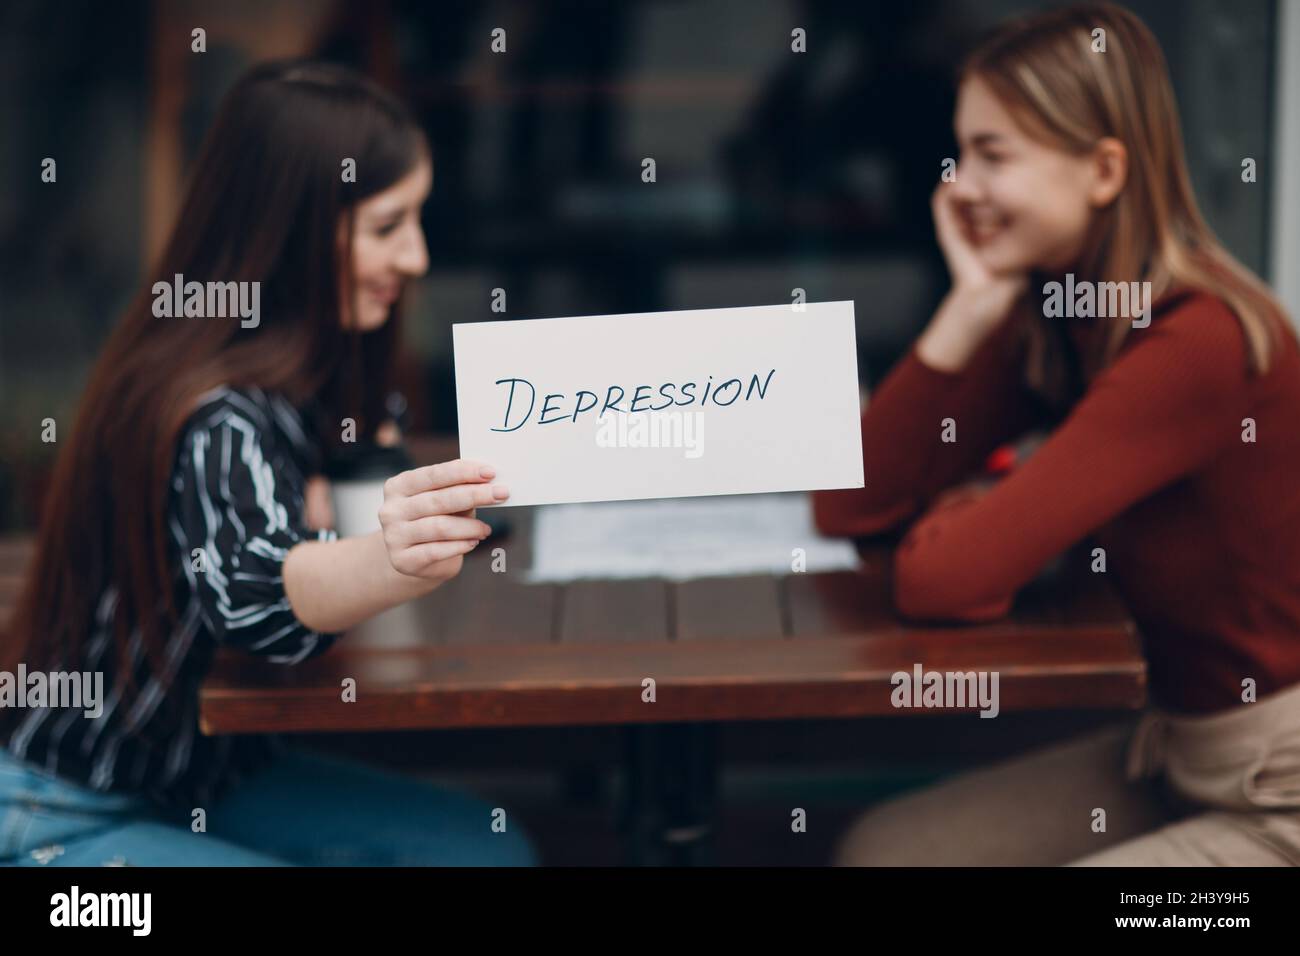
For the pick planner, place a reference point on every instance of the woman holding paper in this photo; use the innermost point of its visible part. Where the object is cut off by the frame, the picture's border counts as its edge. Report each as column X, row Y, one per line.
column 175, row 521
column 1174, row 448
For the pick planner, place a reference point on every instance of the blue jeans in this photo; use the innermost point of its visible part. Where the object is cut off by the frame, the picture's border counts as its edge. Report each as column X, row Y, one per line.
column 303, row 810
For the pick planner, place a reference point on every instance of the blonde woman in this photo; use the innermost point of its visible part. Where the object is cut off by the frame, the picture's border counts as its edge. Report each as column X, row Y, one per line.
column 1174, row 445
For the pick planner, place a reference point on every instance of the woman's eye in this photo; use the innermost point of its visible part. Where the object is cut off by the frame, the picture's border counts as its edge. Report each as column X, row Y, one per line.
column 388, row 228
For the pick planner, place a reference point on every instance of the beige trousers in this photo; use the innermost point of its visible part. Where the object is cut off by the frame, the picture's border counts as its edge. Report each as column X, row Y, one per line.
column 1216, row 790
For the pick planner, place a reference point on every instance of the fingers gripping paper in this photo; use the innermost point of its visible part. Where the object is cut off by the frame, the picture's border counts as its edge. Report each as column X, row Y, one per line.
column 663, row 404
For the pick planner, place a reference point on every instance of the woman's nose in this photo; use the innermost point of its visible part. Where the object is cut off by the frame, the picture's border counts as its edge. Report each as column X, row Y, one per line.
column 966, row 185
column 413, row 259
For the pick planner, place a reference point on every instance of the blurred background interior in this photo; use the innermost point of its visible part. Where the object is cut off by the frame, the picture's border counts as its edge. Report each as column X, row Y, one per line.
column 775, row 171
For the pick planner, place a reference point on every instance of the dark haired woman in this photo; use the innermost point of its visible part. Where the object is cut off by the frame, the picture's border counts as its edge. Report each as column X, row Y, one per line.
column 175, row 521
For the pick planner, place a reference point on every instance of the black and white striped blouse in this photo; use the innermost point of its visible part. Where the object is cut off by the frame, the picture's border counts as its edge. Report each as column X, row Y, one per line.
column 235, row 510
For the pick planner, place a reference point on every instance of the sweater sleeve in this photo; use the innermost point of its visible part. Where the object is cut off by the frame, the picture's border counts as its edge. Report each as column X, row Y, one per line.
column 1171, row 401
column 235, row 498
column 906, row 461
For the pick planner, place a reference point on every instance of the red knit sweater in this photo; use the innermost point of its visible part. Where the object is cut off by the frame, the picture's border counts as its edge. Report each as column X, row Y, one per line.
column 1201, row 529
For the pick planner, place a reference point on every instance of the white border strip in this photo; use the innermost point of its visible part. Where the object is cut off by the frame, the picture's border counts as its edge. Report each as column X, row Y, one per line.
column 1284, row 267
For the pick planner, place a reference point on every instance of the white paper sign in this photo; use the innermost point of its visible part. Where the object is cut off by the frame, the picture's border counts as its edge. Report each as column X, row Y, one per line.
column 663, row 404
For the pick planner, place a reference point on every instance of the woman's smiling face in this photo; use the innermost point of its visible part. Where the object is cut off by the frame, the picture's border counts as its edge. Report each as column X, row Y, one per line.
column 1023, row 205
column 387, row 247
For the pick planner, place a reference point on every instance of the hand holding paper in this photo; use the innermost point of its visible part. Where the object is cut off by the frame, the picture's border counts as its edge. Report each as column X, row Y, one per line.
column 428, row 514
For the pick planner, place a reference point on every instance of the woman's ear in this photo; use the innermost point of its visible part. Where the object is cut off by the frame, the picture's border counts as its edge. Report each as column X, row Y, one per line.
column 1110, row 171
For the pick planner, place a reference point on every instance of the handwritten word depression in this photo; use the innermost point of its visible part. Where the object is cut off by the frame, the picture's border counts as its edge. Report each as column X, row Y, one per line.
column 559, row 407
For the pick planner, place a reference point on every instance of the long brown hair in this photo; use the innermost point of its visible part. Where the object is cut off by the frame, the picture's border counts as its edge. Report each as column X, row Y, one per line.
column 267, row 202
column 1046, row 70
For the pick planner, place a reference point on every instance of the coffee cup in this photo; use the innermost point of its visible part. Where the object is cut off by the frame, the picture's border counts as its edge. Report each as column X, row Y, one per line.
column 357, row 485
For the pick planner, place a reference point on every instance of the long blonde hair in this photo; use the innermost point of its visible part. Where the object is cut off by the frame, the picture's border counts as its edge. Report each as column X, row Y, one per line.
column 1051, row 71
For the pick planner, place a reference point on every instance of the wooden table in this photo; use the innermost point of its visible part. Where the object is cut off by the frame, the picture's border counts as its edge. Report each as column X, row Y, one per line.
column 490, row 650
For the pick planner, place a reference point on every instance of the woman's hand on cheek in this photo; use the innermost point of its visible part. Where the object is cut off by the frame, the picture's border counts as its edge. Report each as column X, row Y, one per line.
column 980, row 297
column 979, row 301
column 428, row 516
